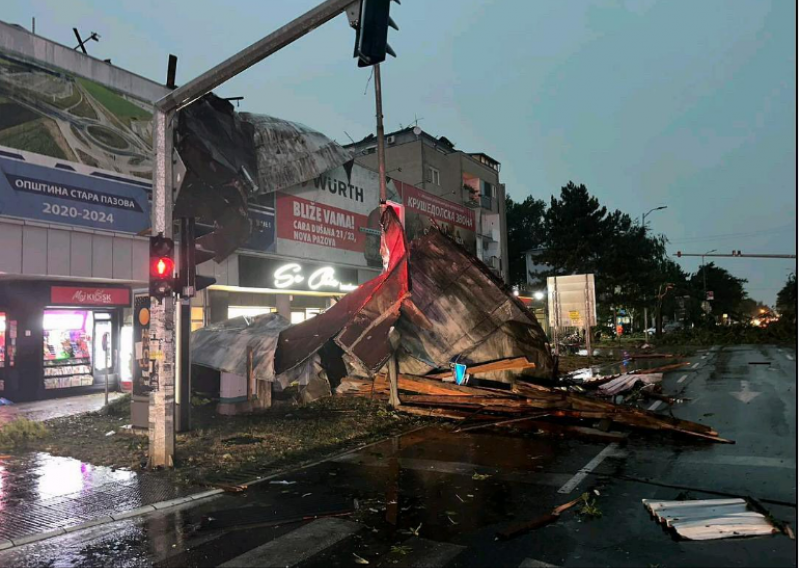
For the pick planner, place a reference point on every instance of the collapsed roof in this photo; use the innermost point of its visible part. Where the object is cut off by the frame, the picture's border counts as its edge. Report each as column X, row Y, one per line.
column 433, row 305
column 233, row 157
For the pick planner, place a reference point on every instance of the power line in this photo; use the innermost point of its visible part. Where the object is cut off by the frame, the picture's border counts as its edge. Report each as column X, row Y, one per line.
column 780, row 229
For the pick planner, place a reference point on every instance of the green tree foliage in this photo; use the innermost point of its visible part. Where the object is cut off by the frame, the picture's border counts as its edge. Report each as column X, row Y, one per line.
column 729, row 292
column 524, row 221
column 786, row 302
column 576, row 234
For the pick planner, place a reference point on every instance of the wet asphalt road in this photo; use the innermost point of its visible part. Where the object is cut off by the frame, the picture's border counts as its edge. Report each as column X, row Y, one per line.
column 431, row 482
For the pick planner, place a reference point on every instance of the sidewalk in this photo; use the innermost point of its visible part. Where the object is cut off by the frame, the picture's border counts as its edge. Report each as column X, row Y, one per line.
column 41, row 410
column 41, row 493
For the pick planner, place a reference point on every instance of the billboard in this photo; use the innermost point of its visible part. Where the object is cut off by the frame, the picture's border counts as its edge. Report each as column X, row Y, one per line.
column 570, row 300
column 423, row 209
column 49, row 111
column 35, row 187
column 333, row 218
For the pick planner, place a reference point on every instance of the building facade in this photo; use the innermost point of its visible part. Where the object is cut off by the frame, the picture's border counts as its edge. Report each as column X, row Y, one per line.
column 447, row 178
column 75, row 171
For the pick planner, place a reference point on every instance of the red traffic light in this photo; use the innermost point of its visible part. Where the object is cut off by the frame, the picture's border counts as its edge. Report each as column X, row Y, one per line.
column 164, row 267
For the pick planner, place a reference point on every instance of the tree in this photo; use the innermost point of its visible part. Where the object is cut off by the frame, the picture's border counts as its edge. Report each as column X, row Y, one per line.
column 728, row 290
column 786, row 302
column 524, row 228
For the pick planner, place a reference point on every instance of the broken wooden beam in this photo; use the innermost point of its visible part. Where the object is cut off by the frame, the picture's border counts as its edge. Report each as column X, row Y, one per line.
column 510, row 364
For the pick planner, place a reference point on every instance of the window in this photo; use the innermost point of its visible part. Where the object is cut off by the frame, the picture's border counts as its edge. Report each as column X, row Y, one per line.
column 248, row 311
column 198, row 319
column 489, row 190
column 433, row 176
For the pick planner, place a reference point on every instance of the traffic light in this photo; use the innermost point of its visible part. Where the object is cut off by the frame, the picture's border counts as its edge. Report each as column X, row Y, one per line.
column 678, row 254
column 372, row 30
column 162, row 267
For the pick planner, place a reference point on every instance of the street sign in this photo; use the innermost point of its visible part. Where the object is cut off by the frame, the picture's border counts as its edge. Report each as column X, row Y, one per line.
column 569, row 300
column 709, row 295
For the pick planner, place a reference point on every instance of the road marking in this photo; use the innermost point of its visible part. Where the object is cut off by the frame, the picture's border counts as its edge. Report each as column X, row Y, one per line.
column 789, row 357
column 746, row 395
column 589, row 467
column 426, row 553
column 298, row 545
column 655, row 405
column 683, row 378
column 695, row 365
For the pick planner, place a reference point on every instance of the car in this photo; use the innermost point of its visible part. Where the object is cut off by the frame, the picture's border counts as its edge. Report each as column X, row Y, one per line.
column 667, row 328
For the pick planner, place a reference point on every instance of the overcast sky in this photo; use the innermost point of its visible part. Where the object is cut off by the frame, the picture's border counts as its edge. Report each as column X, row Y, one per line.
column 684, row 103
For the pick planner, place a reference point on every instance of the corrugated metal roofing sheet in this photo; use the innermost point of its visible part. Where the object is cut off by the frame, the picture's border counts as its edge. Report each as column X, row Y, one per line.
column 710, row 519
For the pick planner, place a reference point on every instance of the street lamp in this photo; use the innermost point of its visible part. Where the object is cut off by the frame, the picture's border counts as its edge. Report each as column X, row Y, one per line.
column 644, row 215
column 703, row 261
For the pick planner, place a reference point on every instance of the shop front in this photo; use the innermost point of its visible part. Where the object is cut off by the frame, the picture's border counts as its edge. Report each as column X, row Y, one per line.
column 297, row 290
column 60, row 339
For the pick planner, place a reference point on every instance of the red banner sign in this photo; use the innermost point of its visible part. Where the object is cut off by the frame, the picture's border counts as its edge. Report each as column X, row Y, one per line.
column 319, row 224
column 84, row 296
column 437, row 208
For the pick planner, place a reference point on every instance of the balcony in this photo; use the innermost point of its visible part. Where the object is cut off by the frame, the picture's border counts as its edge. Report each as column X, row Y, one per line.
column 486, row 202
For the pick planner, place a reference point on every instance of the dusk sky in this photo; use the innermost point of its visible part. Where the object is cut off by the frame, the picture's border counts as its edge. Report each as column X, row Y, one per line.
column 685, row 103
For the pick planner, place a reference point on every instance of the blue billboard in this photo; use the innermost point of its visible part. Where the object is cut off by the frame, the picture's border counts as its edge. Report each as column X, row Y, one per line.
column 59, row 194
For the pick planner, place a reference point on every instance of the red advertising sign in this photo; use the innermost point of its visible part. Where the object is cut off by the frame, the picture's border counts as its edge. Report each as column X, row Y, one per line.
column 315, row 223
column 437, row 208
column 86, row 296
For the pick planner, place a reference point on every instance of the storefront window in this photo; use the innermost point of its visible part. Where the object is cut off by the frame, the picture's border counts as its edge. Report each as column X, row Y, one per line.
column 2, row 339
column 67, row 348
column 249, row 311
column 198, row 320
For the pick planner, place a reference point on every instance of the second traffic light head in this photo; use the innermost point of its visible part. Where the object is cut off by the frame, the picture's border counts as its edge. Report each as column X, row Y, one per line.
column 372, row 31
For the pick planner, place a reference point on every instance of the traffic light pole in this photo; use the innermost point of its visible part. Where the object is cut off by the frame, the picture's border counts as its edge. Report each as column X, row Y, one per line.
column 394, row 396
column 161, row 422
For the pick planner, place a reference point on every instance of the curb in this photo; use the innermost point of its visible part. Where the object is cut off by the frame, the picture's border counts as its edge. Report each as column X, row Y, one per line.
column 163, row 505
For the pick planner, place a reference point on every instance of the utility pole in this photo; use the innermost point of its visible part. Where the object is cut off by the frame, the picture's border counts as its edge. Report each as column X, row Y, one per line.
column 394, row 393
column 381, row 148
column 644, row 216
column 161, row 421
column 162, row 312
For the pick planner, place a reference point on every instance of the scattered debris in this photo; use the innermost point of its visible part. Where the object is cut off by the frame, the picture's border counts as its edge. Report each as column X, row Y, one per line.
column 589, row 507
column 282, row 482
column 110, row 433
column 400, row 549
column 480, row 476
column 538, row 522
column 710, row 519
column 360, row 560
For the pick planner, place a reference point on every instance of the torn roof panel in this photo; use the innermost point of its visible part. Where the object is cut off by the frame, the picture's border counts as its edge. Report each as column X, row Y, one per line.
column 224, row 346
column 288, row 153
column 710, row 519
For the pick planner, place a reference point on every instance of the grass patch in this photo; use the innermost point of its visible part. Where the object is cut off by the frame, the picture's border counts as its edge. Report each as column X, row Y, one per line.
column 84, row 109
column 12, row 114
column 107, row 136
column 20, row 433
column 86, row 158
column 219, row 447
column 33, row 137
column 119, row 106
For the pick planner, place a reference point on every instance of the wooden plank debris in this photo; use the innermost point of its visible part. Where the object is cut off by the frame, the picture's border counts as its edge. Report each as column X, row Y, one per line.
column 510, row 364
